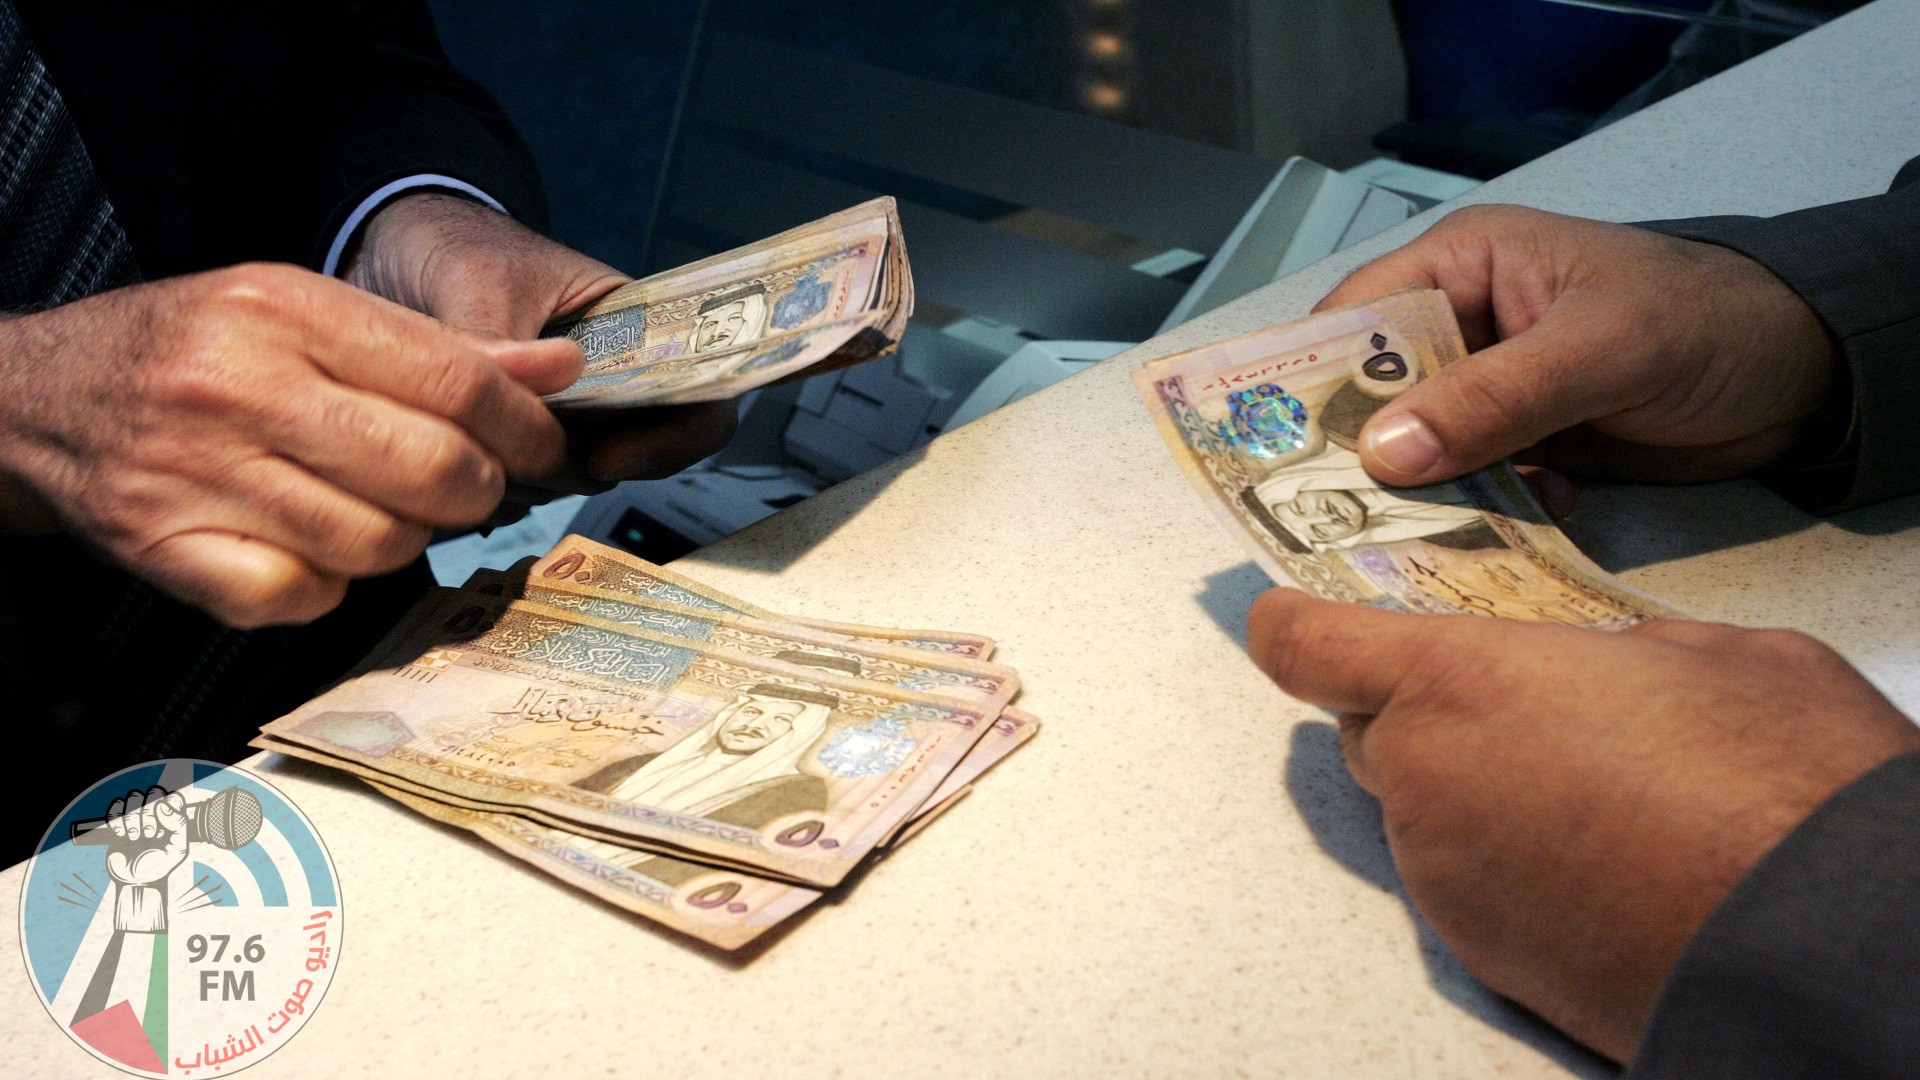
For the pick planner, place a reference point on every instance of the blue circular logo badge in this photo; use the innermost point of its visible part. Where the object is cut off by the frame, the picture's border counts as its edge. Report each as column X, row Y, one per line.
column 181, row 918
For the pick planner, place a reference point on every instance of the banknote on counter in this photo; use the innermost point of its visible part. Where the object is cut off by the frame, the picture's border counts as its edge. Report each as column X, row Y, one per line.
column 895, row 665
column 665, row 747
column 720, row 905
column 1266, row 427
column 580, row 561
column 830, row 293
column 682, row 744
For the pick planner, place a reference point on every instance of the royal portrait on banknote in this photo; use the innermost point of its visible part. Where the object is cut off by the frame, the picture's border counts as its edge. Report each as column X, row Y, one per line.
column 735, row 318
column 1320, row 498
column 1267, row 427
column 787, row 764
column 742, row 767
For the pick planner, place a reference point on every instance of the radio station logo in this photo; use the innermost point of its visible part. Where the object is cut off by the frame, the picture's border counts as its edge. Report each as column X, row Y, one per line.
column 181, row 918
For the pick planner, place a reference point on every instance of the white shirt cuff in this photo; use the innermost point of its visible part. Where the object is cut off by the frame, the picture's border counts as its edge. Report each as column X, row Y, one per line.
column 386, row 194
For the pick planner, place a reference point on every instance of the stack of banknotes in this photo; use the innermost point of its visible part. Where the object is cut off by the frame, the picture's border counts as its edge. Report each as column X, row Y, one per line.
column 831, row 293
column 673, row 750
column 1266, row 426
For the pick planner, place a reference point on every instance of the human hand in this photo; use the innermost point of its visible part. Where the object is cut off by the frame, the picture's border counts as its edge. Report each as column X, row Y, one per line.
column 1566, row 806
column 477, row 269
column 1627, row 353
column 250, row 439
column 149, row 836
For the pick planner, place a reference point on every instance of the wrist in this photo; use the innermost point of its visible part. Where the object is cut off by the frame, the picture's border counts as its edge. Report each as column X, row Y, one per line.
column 24, row 511
column 140, row 909
column 388, row 255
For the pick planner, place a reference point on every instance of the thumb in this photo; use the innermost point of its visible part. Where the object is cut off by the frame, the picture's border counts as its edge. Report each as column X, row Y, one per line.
column 543, row 365
column 1348, row 657
column 1492, row 404
column 519, row 293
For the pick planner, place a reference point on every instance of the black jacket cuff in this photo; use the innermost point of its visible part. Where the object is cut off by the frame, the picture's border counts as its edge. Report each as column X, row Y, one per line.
column 403, row 110
column 1811, row 966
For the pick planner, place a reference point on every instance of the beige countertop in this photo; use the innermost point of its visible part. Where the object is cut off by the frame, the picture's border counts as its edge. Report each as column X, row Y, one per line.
column 1177, row 877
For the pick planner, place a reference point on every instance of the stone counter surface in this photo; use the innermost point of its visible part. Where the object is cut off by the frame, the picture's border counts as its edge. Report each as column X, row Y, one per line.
column 1176, row 878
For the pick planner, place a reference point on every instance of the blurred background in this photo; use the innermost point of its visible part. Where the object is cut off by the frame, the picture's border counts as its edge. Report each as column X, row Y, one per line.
column 1074, row 175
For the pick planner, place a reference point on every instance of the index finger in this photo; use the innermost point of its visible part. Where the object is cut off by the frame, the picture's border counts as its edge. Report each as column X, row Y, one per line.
column 419, row 362
column 1452, row 256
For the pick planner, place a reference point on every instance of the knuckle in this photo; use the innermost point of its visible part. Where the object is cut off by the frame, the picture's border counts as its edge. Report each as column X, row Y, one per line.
column 450, row 463
column 1475, row 217
column 199, row 378
column 348, row 418
column 453, row 388
column 271, row 290
column 124, row 507
column 382, row 543
column 1798, row 649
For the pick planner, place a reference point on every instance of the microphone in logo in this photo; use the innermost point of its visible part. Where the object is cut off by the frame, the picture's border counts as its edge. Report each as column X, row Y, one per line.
column 229, row 818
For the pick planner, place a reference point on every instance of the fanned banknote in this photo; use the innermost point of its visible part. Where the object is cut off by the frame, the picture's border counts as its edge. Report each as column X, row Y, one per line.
column 581, row 561
column 830, row 293
column 894, row 665
column 719, row 905
column 675, row 751
column 1265, row 426
column 761, row 762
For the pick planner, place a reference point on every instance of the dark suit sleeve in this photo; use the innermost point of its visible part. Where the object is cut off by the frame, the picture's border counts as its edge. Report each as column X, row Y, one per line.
column 400, row 109
column 1857, row 264
column 1811, row 965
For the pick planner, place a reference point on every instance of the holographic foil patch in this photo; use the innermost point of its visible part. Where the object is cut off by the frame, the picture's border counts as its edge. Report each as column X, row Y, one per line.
column 807, row 298
column 1265, row 421
column 872, row 749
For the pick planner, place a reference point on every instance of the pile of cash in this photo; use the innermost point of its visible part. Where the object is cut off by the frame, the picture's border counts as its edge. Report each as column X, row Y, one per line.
column 831, row 293
column 673, row 750
column 1266, row 426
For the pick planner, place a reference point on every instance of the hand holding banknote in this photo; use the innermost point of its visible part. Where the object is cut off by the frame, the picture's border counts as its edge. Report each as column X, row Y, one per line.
column 477, row 269
column 1567, row 806
column 1629, row 353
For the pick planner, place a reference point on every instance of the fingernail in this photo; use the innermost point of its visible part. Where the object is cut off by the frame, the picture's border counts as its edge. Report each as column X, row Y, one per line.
column 1404, row 444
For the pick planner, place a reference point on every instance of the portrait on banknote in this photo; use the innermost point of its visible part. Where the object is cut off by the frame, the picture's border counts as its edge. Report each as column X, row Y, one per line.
column 734, row 318
column 742, row 767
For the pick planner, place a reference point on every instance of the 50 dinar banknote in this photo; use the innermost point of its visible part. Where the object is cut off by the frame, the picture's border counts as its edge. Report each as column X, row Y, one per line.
column 722, row 754
column 721, row 905
column 1266, row 428
column 580, row 561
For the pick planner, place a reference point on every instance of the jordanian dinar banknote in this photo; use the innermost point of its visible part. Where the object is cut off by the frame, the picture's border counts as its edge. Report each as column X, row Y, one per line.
column 1266, row 425
column 724, row 907
column 1011, row 731
column 721, row 906
column 755, row 761
column 833, row 292
column 911, row 669
column 580, row 561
